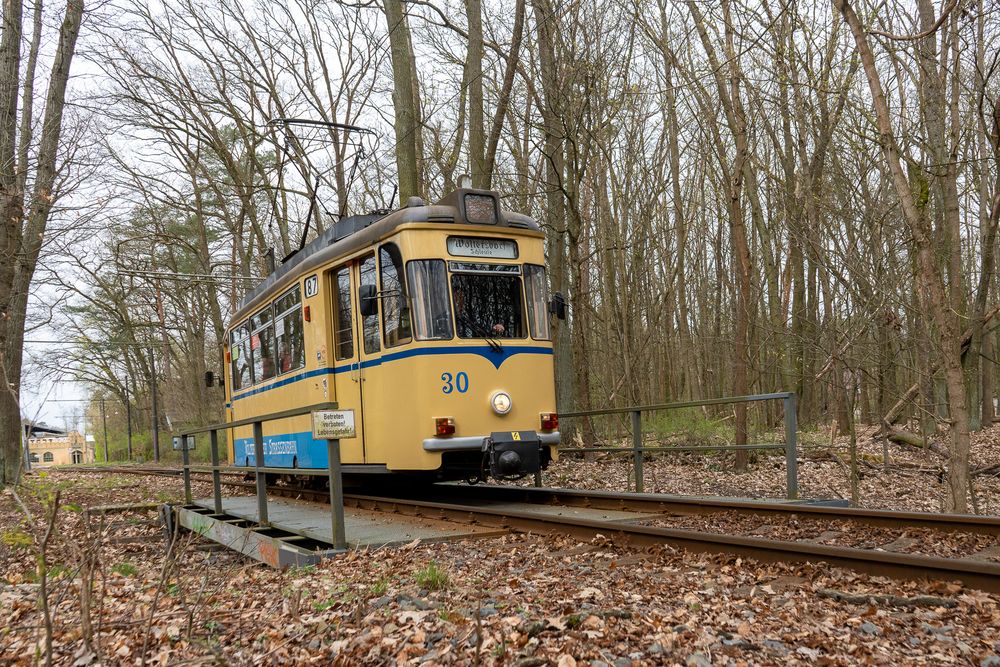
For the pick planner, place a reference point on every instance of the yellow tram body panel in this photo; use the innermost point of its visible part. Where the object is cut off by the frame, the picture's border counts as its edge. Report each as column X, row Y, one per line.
column 399, row 393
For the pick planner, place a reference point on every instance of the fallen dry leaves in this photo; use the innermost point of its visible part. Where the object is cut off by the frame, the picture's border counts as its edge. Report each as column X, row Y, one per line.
column 516, row 600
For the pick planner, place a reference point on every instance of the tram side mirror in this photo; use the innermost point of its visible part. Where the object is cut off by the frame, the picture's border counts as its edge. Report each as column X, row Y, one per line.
column 557, row 306
column 369, row 300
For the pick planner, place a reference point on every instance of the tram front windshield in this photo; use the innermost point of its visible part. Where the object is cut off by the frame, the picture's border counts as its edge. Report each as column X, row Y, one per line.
column 488, row 305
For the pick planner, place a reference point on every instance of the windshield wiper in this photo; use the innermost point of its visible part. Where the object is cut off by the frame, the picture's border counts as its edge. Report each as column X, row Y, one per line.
column 492, row 342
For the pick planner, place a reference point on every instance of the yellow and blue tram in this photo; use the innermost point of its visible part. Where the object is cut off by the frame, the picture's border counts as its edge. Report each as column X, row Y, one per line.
column 431, row 322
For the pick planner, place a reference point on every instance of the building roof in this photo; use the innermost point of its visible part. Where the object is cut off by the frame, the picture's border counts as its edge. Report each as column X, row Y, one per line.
column 40, row 428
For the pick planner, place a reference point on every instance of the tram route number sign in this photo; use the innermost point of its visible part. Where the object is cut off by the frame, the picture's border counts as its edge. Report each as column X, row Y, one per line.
column 333, row 424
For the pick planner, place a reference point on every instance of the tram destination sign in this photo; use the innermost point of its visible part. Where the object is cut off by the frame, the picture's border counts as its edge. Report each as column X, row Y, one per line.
column 474, row 246
column 333, row 424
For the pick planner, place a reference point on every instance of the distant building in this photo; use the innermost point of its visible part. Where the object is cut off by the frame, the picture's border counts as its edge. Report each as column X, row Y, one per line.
column 54, row 448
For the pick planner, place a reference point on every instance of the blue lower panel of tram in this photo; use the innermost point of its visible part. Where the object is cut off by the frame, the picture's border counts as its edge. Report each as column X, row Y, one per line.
column 284, row 450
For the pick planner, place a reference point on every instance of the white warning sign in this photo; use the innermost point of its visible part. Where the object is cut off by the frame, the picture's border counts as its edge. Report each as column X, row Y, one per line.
column 333, row 424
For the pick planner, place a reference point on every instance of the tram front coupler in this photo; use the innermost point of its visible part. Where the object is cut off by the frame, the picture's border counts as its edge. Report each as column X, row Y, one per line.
column 512, row 454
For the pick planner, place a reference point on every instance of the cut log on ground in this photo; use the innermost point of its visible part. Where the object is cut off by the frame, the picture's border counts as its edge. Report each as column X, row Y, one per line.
column 914, row 440
column 889, row 600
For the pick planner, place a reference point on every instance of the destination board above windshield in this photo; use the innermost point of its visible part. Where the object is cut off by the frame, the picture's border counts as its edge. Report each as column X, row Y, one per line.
column 474, row 246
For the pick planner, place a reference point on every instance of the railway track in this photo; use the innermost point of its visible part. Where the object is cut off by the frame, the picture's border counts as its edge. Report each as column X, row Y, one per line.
column 891, row 546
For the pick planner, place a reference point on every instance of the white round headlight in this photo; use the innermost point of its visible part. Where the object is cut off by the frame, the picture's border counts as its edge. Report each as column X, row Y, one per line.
column 501, row 402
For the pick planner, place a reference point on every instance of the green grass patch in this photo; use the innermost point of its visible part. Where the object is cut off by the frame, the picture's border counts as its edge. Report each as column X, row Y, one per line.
column 432, row 577
column 16, row 539
column 380, row 586
column 125, row 569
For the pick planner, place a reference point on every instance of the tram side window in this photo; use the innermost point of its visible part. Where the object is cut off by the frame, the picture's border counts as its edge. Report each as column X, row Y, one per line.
column 239, row 347
column 536, row 292
column 428, row 281
column 288, row 331
column 369, row 324
column 262, row 345
column 342, row 308
column 395, row 306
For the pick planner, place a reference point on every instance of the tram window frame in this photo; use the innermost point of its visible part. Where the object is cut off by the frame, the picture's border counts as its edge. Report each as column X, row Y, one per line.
column 286, row 307
column 371, row 337
column 464, row 324
column 395, row 301
column 341, row 308
column 537, row 305
column 262, row 326
column 239, row 350
column 428, row 317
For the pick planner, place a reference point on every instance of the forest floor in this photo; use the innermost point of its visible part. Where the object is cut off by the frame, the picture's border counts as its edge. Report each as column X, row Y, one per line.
column 913, row 481
column 517, row 600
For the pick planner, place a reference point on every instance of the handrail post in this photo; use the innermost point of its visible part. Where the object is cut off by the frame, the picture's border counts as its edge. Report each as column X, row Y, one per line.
column 336, row 494
column 637, row 447
column 538, row 478
column 186, row 464
column 216, row 477
column 791, row 445
column 258, row 459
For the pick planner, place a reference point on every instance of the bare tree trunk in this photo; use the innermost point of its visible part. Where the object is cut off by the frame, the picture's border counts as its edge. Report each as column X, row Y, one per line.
column 930, row 274
column 503, row 103
column 555, row 208
column 23, row 231
column 474, row 67
column 730, row 96
column 11, row 208
column 403, row 100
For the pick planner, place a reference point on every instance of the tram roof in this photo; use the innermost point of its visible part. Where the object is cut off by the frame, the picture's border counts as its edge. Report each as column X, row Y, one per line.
column 357, row 231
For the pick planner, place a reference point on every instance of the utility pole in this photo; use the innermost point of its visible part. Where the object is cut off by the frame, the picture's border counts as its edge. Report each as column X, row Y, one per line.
column 26, row 432
column 156, row 425
column 104, row 419
column 128, row 415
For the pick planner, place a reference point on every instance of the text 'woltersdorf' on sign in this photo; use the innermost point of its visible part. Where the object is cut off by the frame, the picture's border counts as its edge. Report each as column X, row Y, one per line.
column 471, row 246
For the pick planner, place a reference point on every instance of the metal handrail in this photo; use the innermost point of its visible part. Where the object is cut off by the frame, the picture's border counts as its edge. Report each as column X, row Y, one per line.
column 685, row 404
column 260, row 471
column 679, row 448
column 790, row 446
column 249, row 421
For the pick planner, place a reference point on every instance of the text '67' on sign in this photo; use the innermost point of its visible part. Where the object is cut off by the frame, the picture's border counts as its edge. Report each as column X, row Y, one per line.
column 333, row 424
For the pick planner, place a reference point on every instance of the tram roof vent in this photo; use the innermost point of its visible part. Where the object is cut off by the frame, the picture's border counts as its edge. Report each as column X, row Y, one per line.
column 347, row 226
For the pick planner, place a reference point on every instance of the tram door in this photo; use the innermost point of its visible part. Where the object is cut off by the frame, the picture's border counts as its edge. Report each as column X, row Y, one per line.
column 346, row 358
column 370, row 353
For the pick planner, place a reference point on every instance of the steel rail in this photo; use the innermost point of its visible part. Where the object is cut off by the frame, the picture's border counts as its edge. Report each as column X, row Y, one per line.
column 661, row 504
column 982, row 575
column 642, row 502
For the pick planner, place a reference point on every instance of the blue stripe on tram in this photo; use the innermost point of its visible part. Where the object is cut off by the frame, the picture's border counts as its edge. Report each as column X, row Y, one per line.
column 494, row 357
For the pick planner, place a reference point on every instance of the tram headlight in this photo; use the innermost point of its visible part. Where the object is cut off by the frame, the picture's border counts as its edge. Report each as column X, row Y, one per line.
column 501, row 403
column 480, row 209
